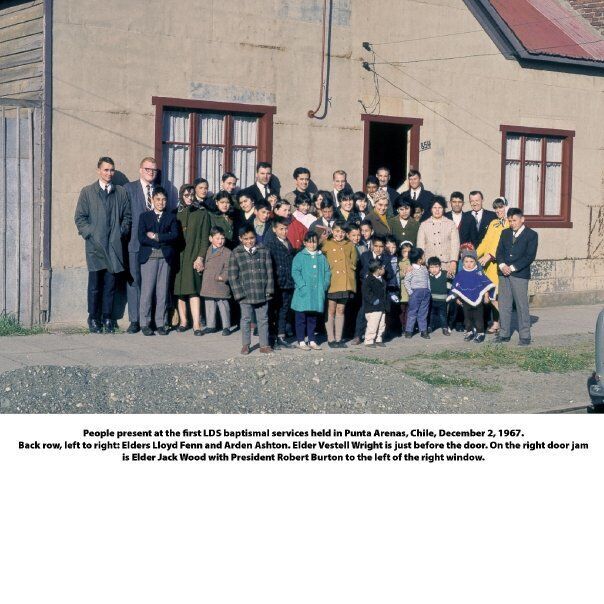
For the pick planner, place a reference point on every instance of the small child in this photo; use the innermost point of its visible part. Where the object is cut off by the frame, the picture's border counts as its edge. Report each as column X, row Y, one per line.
column 376, row 304
column 282, row 254
column 438, row 290
column 403, row 266
column 214, row 284
column 312, row 276
column 417, row 282
column 393, row 285
column 261, row 222
column 472, row 287
column 250, row 274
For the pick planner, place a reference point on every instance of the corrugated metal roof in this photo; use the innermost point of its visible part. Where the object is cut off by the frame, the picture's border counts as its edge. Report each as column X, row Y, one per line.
column 546, row 27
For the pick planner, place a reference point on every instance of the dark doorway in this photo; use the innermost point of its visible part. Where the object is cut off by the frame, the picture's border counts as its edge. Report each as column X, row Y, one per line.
column 388, row 147
column 393, row 142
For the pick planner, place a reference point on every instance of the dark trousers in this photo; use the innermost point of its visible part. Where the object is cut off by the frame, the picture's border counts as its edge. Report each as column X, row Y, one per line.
column 438, row 314
column 455, row 314
column 403, row 315
column 361, row 322
column 306, row 323
column 419, row 305
column 101, row 290
column 473, row 317
column 133, row 288
column 280, row 305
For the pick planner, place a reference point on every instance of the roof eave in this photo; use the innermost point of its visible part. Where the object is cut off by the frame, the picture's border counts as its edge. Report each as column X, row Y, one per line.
column 509, row 45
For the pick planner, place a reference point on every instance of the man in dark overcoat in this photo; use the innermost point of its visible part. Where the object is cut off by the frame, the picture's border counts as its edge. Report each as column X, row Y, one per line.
column 103, row 219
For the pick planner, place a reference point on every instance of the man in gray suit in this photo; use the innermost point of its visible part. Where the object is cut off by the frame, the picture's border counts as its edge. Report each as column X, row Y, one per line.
column 140, row 193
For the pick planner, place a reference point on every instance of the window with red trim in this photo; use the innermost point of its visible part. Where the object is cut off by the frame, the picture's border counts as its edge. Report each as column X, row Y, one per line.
column 205, row 139
column 536, row 174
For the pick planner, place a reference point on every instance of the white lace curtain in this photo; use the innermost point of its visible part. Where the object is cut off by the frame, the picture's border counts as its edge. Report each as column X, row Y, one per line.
column 176, row 152
column 245, row 135
column 210, row 159
column 532, row 174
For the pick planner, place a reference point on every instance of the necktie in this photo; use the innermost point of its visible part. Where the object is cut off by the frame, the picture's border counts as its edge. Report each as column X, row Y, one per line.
column 414, row 195
column 149, row 204
column 265, row 192
column 476, row 219
column 106, row 190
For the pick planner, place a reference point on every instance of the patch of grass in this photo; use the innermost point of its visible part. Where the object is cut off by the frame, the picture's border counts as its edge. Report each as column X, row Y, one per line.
column 537, row 360
column 440, row 379
column 10, row 326
column 369, row 360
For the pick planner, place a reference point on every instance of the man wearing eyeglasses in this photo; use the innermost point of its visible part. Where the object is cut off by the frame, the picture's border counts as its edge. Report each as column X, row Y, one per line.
column 140, row 193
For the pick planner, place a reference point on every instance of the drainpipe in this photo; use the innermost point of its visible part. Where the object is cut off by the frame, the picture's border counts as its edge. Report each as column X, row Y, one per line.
column 46, row 166
column 312, row 114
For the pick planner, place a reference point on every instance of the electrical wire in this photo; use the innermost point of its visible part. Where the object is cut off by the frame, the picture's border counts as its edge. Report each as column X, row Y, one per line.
column 473, row 31
column 444, row 117
column 447, row 99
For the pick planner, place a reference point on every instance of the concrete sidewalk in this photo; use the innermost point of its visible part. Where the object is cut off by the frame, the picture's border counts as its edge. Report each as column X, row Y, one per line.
column 550, row 326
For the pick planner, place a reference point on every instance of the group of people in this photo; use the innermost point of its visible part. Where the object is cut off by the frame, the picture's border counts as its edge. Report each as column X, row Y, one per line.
column 358, row 266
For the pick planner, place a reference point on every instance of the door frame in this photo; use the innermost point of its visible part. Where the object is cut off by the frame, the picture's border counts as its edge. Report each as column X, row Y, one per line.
column 414, row 122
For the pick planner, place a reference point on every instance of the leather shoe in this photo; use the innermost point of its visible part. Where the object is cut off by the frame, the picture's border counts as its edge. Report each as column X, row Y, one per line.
column 408, row 334
column 134, row 327
column 425, row 335
column 147, row 331
column 108, row 326
column 524, row 342
column 281, row 343
column 500, row 340
column 162, row 331
column 245, row 350
column 94, row 325
column 226, row 332
column 266, row 349
column 355, row 341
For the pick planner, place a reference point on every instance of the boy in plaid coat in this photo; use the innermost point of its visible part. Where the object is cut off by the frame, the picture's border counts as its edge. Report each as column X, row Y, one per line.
column 251, row 278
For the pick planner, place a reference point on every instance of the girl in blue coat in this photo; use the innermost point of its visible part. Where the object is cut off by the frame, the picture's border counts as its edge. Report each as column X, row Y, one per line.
column 312, row 276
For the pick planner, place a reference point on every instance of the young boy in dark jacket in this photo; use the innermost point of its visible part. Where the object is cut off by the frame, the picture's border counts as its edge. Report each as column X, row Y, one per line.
column 282, row 254
column 376, row 304
column 250, row 275
column 158, row 235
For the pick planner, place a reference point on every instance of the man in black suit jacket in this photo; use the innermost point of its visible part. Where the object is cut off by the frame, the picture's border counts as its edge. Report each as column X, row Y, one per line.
column 482, row 217
column 158, row 234
column 383, row 176
column 140, row 193
column 261, row 189
column 417, row 195
column 516, row 252
column 464, row 221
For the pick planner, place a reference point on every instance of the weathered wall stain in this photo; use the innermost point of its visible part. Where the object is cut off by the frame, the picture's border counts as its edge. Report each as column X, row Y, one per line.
column 311, row 11
column 231, row 93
